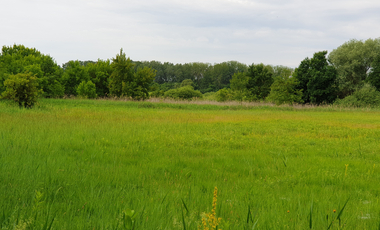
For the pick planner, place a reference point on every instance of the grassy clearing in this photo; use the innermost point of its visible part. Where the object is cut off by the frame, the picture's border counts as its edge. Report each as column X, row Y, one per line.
column 78, row 164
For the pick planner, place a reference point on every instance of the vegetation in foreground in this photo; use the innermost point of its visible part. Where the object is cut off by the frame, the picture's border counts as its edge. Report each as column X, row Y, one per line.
column 86, row 164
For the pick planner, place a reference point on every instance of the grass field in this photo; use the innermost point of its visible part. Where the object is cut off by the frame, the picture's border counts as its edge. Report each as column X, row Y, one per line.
column 82, row 164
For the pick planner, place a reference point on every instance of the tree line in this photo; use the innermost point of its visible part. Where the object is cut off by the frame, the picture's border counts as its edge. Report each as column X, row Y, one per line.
column 351, row 70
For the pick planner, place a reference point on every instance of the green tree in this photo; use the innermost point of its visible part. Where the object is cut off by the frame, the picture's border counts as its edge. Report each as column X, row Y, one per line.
column 138, row 89
column 20, row 59
column 260, row 80
column 317, row 79
column 284, row 91
column 187, row 82
column 124, row 81
column 22, row 88
column 87, row 89
column 123, row 71
column 238, row 84
column 99, row 73
column 353, row 60
column 74, row 74
column 374, row 75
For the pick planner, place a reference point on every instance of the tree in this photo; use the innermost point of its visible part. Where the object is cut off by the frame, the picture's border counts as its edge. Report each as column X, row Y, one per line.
column 22, row 88
column 138, row 89
column 317, row 79
column 122, row 72
column 374, row 75
column 353, row 60
column 74, row 74
column 125, row 82
column 239, row 85
column 284, row 91
column 259, row 81
column 99, row 74
column 187, row 82
column 87, row 89
column 20, row 59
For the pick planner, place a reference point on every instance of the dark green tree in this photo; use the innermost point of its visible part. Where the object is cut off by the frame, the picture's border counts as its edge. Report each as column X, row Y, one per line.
column 317, row 79
column 374, row 75
column 74, row 74
column 99, row 73
column 124, row 81
column 260, row 80
column 123, row 71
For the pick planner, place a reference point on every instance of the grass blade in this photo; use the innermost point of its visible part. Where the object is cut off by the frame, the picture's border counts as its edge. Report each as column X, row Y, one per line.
column 183, row 202
column 311, row 216
column 249, row 212
column 183, row 219
column 340, row 213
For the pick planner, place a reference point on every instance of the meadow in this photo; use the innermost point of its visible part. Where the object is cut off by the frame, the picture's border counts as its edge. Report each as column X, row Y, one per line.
column 86, row 164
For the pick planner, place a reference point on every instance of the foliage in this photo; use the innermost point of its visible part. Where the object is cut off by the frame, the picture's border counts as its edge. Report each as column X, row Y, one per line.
column 317, row 79
column 100, row 73
column 20, row 59
column 87, row 89
column 124, row 81
column 367, row 96
column 74, row 74
column 187, row 82
column 186, row 92
column 22, row 88
column 238, row 84
column 224, row 95
column 122, row 73
column 353, row 60
column 260, row 79
column 139, row 87
column 374, row 75
column 284, row 91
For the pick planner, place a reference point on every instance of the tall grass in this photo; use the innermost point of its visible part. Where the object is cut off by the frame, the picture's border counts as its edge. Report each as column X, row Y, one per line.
column 84, row 164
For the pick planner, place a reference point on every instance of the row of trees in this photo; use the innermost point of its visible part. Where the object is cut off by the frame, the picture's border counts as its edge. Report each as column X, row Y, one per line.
column 320, row 79
column 351, row 70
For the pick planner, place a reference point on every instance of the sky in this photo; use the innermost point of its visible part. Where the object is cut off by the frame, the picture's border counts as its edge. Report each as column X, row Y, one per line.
column 275, row 32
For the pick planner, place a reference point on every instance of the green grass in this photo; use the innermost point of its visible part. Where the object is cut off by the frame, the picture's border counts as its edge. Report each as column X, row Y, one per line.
column 78, row 164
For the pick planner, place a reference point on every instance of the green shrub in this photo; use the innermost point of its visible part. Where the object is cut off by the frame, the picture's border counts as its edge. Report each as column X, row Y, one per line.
column 224, row 95
column 22, row 88
column 86, row 89
column 284, row 91
column 367, row 96
column 186, row 92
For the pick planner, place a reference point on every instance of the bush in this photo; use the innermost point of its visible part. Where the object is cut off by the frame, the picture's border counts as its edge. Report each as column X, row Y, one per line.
column 186, row 92
column 87, row 89
column 22, row 88
column 367, row 96
column 224, row 95
column 283, row 91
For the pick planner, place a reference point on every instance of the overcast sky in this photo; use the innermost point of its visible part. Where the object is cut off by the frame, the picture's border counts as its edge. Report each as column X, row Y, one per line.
column 277, row 32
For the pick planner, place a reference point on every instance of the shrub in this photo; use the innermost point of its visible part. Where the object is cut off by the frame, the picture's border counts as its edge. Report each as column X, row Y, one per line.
column 367, row 96
column 224, row 95
column 22, row 88
column 87, row 89
column 186, row 92
column 283, row 91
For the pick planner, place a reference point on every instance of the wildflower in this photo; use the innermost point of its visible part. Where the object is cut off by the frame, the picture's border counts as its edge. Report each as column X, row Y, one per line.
column 334, row 210
column 288, row 211
column 209, row 220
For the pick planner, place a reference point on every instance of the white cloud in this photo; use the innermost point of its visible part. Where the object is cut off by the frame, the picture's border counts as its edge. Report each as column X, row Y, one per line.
column 272, row 31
